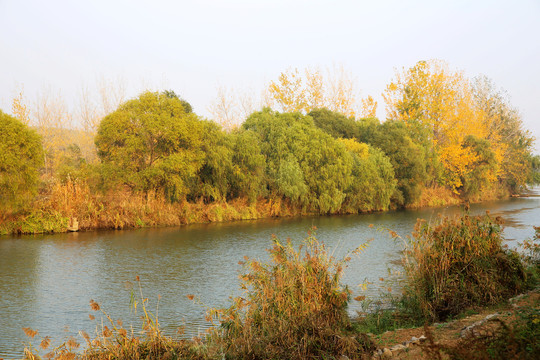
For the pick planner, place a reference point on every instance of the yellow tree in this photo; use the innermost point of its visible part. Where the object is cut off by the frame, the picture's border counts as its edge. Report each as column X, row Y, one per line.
column 429, row 96
column 20, row 109
column 296, row 91
column 368, row 108
column 289, row 92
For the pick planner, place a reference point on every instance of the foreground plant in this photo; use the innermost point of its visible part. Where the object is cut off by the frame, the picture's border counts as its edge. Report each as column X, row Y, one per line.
column 114, row 341
column 294, row 307
column 457, row 264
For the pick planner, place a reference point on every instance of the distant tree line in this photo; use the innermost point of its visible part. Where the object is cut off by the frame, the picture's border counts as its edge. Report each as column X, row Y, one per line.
column 443, row 130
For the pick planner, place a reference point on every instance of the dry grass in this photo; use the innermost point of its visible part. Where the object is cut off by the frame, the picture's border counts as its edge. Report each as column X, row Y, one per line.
column 62, row 202
column 293, row 308
column 459, row 263
column 435, row 196
column 113, row 341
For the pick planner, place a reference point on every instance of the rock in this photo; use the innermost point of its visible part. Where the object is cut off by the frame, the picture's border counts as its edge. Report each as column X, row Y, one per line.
column 398, row 348
column 387, row 353
column 516, row 298
column 74, row 226
column 468, row 330
column 344, row 357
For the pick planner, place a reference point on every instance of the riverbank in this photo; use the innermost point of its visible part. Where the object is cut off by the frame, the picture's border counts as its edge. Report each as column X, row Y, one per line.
column 73, row 206
column 508, row 330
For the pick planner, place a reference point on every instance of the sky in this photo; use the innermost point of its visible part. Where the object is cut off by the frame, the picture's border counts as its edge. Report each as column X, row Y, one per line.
column 195, row 46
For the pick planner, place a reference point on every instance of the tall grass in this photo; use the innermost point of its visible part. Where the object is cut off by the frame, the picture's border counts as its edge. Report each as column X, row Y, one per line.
column 114, row 341
column 294, row 307
column 459, row 263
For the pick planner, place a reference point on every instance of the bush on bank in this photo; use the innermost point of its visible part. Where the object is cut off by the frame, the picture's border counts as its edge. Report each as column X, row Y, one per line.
column 457, row 264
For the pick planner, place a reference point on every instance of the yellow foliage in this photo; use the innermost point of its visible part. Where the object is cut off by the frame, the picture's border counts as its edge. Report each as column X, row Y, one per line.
column 294, row 91
column 358, row 148
column 19, row 109
column 369, row 108
column 288, row 91
column 441, row 100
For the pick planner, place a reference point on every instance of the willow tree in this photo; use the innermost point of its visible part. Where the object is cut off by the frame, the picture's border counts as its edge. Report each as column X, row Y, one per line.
column 21, row 157
column 304, row 164
column 373, row 182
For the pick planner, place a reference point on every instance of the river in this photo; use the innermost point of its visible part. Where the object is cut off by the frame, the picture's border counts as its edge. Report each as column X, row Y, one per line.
column 47, row 281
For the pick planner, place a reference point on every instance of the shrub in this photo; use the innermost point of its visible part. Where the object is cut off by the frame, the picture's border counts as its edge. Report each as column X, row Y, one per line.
column 457, row 264
column 294, row 308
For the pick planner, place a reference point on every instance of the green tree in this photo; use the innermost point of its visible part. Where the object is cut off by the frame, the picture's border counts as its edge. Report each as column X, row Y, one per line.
column 407, row 158
column 151, row 143
column 373, row 183
column 336, row 124
column 300, row 156
column 172, row 95
column 212, row 181
column 249, row 164
column 483, row 169
column 21, row 156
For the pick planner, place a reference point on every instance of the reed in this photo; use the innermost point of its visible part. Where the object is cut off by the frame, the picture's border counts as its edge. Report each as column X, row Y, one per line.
column 294, row 307
column 459, row 263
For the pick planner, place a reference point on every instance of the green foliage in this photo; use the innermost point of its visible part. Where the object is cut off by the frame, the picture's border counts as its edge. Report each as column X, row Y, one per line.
column 340, row 126
column 407, row 158
column 72, row 164
column 458, row 264
column 38, row 222
column 335, row 124
column 212, row 181
column 172, row 95
column 294, row 307
column 151, row 143
column 21, row 156
column 483, row 169
column 373, row 182
column 249, row 165
column 533, row 162
column 300, row 156
column 290, row 179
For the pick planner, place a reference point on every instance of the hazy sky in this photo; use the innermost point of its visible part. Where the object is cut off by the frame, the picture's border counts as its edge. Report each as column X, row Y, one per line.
column 193, row 46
